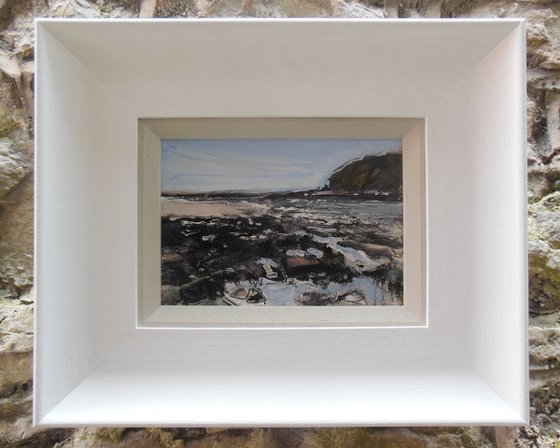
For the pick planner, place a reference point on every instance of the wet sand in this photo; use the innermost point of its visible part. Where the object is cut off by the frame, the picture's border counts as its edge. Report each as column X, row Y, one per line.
column 172, row 207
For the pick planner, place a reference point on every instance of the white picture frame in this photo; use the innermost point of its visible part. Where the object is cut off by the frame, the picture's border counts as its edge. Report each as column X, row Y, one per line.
column 95, row 365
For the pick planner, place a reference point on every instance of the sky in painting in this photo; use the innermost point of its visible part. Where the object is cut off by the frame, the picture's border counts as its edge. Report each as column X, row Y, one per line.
column 259, row 165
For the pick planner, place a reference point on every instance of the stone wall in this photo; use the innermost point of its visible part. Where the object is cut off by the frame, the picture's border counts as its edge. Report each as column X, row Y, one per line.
column 16, row 213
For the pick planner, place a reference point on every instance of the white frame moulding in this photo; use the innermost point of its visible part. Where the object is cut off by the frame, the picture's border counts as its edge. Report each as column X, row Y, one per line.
column 98, row 358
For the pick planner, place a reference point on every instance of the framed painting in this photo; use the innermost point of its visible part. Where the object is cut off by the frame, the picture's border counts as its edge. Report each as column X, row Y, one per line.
column 281, row 222
column 217, row 226
column 289, row 227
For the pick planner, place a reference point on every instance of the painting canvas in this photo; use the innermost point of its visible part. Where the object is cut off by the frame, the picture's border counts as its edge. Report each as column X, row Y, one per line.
column 281, row 222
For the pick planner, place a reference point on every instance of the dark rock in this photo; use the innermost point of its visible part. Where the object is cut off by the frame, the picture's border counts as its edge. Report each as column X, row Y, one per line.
column 200, row 289
column 371, row 173
column 171, row 257
column 315, row 298
column 170, row 295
